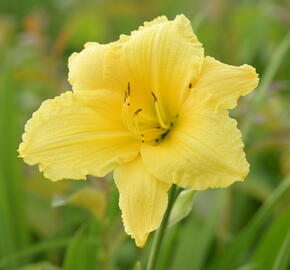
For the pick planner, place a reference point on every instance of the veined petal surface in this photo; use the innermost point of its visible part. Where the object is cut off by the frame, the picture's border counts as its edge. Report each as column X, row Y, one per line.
column 86, row 68
column 77, row 134
column 203, row 150
column 220, row 85
column 143, row 199
column 163, row 57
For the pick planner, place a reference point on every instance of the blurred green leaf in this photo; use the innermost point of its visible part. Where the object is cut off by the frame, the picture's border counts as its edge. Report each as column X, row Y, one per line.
column 197, row 235
column 182, row 206
column 87, row 198
column 40, row 266
column 137, row 266
column 83, row 254
column 33, row 250
column 91, row 199
column 13, row 231
column 250, row 266
column 58, row 201
column 238, row 249
column 270, row 245
column 268, row 76
column 257, row 189
column 283, row 259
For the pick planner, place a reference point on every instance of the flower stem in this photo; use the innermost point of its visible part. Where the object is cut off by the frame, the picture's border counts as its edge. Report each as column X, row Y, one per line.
column 159, row 234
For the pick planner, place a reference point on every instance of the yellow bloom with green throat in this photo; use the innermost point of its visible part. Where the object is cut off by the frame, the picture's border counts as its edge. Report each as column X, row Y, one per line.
column 153, row 109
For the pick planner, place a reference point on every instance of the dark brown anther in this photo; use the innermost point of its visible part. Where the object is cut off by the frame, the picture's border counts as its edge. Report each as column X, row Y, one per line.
column 125, row 96
column 128, row 104
column 136, row 113
column 154, row 97
column 190, row 85
column 142, row 141
column 129, row 89
column 176, row 115
column 164, row 134
column 156, row 140
column 171, row 124
column 142, row 135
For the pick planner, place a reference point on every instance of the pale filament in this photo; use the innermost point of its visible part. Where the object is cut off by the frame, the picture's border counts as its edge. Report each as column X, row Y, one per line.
column 158, row 113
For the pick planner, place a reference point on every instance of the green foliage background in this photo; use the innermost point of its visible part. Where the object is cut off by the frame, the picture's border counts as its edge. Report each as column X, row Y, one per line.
column 76, row 224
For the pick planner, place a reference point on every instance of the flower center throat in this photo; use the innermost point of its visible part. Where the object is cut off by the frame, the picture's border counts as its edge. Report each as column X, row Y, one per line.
column 141, row 125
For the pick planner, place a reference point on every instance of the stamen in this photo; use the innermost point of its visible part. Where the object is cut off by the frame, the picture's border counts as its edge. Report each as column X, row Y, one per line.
column 129, row 89
column 164, row 135
column 154, row 97
column 125, row 96
column 127, row 119
column 158, row 112
column 145, row 127
column 147, row 117
column 141, row 126
column 152, row 134
column 136, row 113
column 190, row 85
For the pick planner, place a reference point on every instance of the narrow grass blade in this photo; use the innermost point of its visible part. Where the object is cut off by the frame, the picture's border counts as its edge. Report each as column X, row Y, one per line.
column 34, row 250
column 82, row 254
column 238, row 249
column 13, row 231
column 250, row 266
column 283, row 258
column 40, row 266
column 272, row 241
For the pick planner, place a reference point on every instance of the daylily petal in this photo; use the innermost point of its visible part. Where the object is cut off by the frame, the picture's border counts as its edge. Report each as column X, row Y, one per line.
column 143, row 200
column 78, row 134
column 220, row 85
column 164, row 57
column 203, row 150
column 86, row 68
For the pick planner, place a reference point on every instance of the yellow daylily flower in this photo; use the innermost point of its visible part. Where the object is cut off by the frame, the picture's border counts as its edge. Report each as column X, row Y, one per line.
column 151, row 107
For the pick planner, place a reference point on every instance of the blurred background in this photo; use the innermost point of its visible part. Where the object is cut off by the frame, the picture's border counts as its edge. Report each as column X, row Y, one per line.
column 76, row 225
